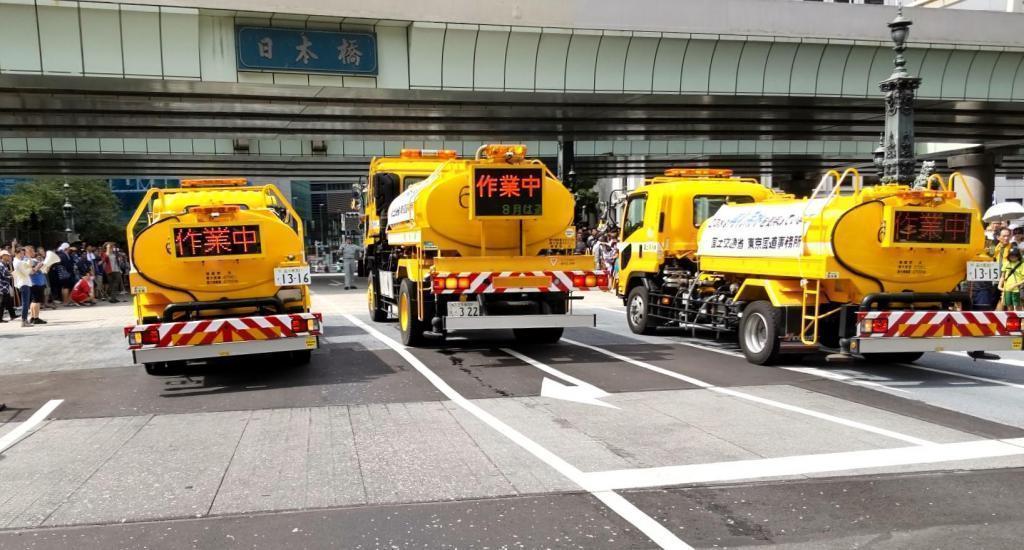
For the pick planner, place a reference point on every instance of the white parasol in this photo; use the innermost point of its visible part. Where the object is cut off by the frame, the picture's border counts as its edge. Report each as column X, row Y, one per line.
column 1003, row 212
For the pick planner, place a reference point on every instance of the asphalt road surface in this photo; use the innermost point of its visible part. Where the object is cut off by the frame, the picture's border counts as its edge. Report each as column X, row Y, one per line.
column 604, row 440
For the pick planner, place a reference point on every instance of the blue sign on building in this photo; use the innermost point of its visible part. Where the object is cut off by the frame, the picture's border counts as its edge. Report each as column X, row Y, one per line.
column 274, row 49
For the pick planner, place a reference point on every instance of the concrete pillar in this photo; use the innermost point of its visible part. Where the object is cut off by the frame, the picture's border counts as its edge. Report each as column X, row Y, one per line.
column 979, row 176
column 566, row 158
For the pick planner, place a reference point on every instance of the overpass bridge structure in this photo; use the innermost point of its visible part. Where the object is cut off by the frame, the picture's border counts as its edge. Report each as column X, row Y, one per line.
column 771, row 87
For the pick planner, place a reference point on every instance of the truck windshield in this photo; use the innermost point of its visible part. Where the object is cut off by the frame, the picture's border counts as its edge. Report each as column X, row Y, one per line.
column 705, row 206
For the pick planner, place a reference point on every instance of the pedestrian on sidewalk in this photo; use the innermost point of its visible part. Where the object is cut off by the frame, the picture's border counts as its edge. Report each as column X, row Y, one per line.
column 82, row 293
column 38, row 279
column 6, row 286
column 349, row 257
column 111, row 272
column 62, row 275
column 22, row 276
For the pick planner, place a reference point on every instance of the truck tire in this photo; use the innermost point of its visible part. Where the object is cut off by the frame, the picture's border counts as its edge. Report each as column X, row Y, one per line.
column 895, row 357
column 759, row 333
column 538, row 335
column 412, row 328
column 638, row 306
column 377, row 313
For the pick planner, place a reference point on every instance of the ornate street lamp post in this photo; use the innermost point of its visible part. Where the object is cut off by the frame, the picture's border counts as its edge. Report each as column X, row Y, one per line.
column 69, row 214
column 898, row 140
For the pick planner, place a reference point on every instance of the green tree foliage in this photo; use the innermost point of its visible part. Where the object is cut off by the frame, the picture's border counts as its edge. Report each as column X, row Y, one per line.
column 38, row 206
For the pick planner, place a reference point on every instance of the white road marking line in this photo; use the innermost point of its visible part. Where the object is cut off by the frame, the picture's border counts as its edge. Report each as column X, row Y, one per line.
column 814, row 371
column 608, row 309
column 646, row 524
column 1007, row 362
column 805, row 370
column 804, row 464
column 756, row 399
column 961, row 375
column 580, row 391
column 14, row 435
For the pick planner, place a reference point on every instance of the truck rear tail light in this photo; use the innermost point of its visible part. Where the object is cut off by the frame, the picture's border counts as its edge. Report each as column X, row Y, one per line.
column 875, row 325
column 1013, row 323
column 299, row 324
column 579, row 281
column 438, row 283
column 591, row 280
column 313, row 326
column 602, row 280
column 451, row 283
column 463, row 283
column 151, row 336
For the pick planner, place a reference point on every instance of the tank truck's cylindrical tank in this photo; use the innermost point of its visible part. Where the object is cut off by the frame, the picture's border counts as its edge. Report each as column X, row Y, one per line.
column 440, row 209
column 879, row 239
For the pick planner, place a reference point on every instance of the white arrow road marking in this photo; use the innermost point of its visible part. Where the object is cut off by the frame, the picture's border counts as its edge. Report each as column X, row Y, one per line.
column 579, row 391
column 335, row 282
column 647, row 525
column 14, row 435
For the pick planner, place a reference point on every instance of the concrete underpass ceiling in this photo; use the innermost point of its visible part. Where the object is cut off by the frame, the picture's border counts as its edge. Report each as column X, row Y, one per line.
column 53, row 106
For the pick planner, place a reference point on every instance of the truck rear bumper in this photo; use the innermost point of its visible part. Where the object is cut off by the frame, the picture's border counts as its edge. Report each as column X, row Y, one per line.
column 227, row 349
column 494, row 322
column 953, row 343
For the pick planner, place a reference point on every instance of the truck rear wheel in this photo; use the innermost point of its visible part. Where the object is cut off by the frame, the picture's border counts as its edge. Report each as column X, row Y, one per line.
column 759, row 333
column 411, row 326
column 377, row 313
column 538, row 335
column 904, row 357
column 638, row 309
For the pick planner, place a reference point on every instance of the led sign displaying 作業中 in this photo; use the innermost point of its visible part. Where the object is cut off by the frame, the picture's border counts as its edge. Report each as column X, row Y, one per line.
column 216, row 240
column 508, row 192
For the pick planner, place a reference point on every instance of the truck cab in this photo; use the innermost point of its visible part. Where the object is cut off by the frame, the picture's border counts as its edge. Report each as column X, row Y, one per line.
column 661, row 219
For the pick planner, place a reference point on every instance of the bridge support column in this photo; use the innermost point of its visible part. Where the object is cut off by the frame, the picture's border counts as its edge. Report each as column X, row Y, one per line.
column 566, row 158
column 979, row 178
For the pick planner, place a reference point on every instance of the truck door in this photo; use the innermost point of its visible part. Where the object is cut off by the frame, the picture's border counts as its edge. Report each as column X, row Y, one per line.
column 632, row 220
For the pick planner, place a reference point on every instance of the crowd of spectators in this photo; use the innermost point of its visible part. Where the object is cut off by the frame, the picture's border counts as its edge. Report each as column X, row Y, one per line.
column 601, row 242
column 82, row 275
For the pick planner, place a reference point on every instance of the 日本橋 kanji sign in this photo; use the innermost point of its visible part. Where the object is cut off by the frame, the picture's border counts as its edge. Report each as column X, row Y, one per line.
column 264, row 48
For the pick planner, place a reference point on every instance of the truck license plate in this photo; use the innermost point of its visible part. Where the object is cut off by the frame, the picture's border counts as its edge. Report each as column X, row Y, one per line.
column 983, row 271
column 463, row 309
column 291, row 276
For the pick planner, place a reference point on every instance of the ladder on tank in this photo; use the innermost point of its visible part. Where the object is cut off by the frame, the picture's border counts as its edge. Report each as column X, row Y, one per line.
column 809, row 322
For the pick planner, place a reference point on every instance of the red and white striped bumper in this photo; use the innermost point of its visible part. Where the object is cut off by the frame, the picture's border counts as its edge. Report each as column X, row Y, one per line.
column 497, row 282
column 911, row 331
column 209, row 338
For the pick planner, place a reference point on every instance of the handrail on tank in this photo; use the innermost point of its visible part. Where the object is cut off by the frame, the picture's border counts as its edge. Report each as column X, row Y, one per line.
column 967, row 189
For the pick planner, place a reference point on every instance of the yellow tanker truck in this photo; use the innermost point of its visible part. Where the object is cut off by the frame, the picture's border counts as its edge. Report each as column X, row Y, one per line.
column 856, row 271
column 218, row 270
column 474, row 244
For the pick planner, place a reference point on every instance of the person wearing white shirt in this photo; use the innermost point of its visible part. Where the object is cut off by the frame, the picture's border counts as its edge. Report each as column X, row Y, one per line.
column 23, row 282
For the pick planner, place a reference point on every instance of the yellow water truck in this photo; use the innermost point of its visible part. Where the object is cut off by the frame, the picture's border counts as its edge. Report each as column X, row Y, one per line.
column 852, row 270
column 218, row 270
column 479, row 244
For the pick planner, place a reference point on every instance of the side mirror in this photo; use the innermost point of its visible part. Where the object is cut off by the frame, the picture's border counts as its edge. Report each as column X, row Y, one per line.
column 385, row 189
